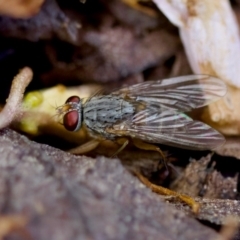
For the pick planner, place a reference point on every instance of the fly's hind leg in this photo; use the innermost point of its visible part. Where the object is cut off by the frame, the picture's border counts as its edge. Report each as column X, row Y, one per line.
column 86, row 147
column 167, row 192
column 158, row 189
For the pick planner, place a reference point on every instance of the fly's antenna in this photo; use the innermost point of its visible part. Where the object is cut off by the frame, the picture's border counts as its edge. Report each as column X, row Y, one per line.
column 55, row 106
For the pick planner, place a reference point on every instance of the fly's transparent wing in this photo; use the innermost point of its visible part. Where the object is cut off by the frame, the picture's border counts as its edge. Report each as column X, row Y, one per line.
column 172, row 128
column 180, row 93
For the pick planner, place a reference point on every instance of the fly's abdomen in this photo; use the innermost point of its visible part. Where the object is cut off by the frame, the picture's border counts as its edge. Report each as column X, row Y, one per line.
column 104, row 111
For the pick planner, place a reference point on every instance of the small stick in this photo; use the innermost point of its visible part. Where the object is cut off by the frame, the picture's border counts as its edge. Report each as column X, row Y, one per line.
column 11, row 108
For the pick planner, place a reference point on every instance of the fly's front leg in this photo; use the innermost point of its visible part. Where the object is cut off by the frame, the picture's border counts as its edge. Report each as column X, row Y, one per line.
column 94, row 143
column 86, row 147
column 123, row 142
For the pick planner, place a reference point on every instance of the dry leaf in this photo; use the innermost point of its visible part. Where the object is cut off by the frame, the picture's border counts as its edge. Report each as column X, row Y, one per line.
column 210, row 34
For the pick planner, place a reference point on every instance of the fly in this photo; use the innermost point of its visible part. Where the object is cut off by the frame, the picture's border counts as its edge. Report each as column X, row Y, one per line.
column 152, row 112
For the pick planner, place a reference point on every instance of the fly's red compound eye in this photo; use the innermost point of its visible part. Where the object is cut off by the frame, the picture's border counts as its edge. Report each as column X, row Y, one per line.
column 72, row 120
column 73, row 99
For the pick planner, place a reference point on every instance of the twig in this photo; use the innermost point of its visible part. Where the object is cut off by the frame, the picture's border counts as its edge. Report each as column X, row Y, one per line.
column 11, row 109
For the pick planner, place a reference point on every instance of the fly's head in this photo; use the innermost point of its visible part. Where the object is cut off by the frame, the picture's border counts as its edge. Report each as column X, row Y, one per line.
column 71, row 112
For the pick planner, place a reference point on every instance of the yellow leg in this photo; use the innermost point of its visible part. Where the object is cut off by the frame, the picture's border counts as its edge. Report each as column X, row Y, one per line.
column 164, row 191
column 149, row 147
column 86, row 147
column 121, row 141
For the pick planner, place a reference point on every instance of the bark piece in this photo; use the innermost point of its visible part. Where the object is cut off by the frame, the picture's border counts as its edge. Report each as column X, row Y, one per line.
column 215, row 211
column 72, row 197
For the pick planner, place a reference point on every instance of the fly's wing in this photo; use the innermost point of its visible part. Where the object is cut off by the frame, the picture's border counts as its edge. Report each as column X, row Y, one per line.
column 171, row 128
column 180, row 93
column 162, row 121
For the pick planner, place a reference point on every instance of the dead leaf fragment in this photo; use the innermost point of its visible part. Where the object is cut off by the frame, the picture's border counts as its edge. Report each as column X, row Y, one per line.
column 137, row 6
column 20, row 8
column 224, row 115
column 13, row 224
column 199, row 179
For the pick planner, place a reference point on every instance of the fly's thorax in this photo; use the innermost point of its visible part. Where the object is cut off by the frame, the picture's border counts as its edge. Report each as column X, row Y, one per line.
column 102, row 112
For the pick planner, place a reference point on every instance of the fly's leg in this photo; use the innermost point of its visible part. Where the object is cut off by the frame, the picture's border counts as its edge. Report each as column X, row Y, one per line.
column 121, row 141
column 167, row 192
column 149, row 147
column 86, row 147
column 158, row 189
